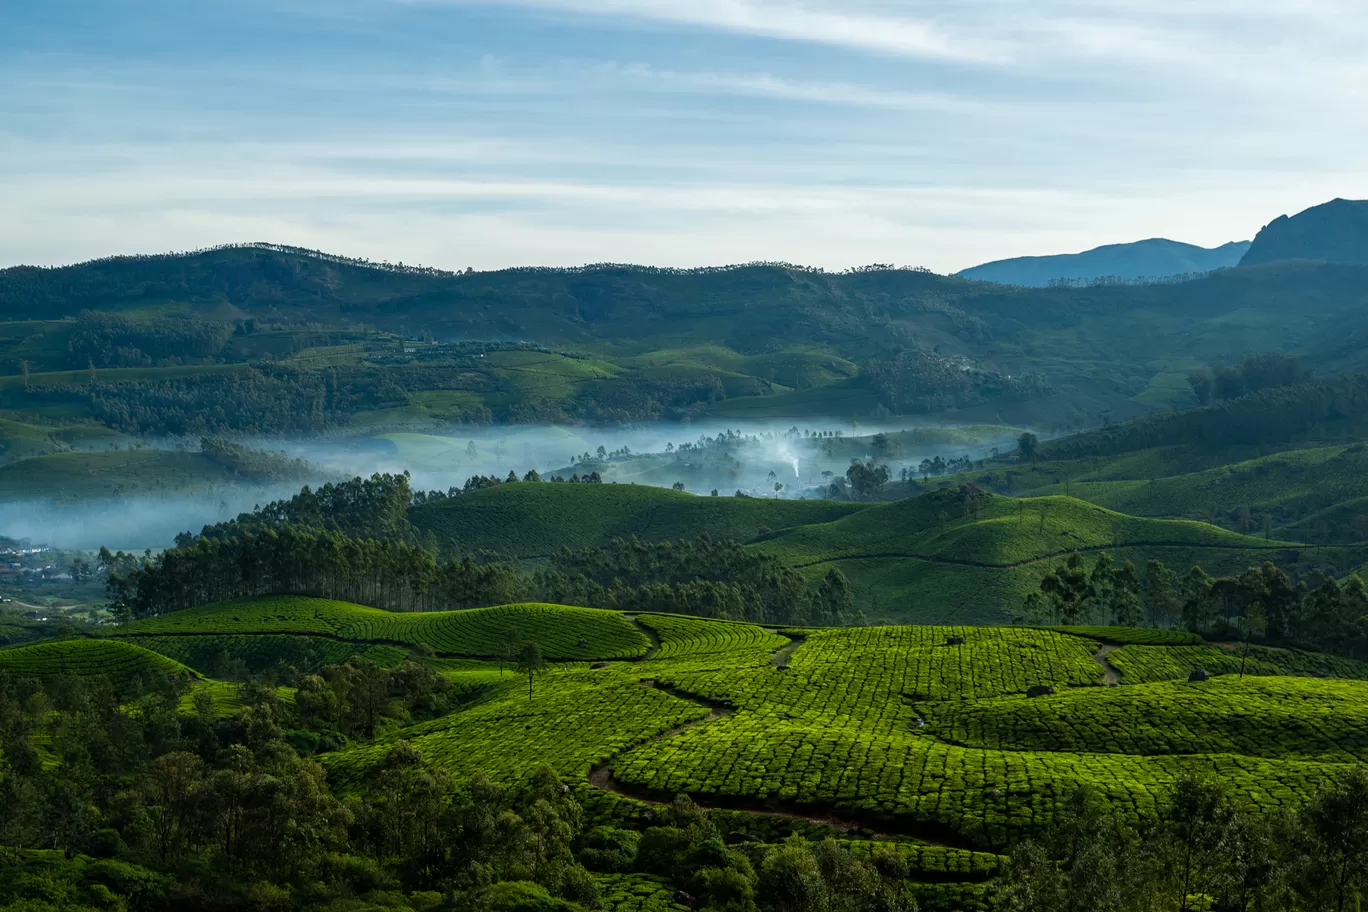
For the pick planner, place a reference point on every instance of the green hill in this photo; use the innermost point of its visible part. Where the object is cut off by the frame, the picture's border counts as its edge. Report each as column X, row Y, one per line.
column 96, row 474
column 122, row 662
column 943, row 557
column 534, row 520
column 562, row 633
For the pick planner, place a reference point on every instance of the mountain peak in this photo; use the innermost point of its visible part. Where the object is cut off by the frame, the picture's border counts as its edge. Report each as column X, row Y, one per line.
column 1336, row 232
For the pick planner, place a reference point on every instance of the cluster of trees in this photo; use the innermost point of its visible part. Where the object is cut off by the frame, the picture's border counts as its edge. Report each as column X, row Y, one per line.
column 374, row 507
column 113, row 340
column 252, row 463
column 158, row 809
column 699, row 577
column 915, row 381
column 943, row 466
column 1199, row 853
column 1253, row 373
column 193, row 811
column 1262, row 602
column 260, row 399
column 866, row 479
column 299, row 560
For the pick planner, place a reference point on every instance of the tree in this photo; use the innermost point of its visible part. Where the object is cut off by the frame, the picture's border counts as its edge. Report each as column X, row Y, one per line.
column 1028, row 445
column 1255, row 623
column 1159, row 596
column 834, row 602
column 81, row 571
column 792, row 880
column 1202, row 385
column 471, row 451
column 866, row 478
column 508, row 651
column 679, row 486
column 24, row 369
column 1192, row 838
column 530, row 663
column 1337, row 822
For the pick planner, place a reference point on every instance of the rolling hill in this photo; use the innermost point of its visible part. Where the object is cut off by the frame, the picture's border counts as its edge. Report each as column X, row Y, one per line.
column 527, row 521
column 945, row 558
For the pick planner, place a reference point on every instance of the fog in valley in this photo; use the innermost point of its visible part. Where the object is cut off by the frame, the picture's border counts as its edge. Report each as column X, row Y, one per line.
column 762, row 459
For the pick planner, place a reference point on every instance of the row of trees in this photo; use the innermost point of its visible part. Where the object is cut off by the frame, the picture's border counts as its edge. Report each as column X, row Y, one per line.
column 1253, row 373
column 699, row 577
column 1264, row 602
column 295, row 560
column 113, row 340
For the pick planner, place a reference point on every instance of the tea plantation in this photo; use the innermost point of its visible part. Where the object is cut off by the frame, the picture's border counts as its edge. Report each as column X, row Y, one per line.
column 122, row 663
column 894, row 733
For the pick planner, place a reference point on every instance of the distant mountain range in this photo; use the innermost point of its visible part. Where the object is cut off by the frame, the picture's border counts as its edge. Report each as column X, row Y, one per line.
column 1153, row 258
column 1335, row 232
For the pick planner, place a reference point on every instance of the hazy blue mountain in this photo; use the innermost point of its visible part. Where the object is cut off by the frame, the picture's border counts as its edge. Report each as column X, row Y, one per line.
column 1336, row 232
column 1153, row 258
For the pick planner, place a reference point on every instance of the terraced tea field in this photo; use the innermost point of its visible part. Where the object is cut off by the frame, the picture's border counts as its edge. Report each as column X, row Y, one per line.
column 123, row 663
column 890, row 732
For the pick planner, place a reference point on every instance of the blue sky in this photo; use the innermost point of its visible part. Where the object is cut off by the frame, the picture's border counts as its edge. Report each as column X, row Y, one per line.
column 673, row 132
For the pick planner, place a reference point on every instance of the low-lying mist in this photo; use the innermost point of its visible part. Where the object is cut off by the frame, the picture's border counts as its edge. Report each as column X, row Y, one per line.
column 771, row 459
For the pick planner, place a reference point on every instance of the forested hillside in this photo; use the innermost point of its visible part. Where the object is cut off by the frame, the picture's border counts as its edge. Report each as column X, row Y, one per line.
column 262, row 338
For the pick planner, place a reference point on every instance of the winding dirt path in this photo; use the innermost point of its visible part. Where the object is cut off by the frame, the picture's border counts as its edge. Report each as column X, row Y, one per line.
column 1111, row 675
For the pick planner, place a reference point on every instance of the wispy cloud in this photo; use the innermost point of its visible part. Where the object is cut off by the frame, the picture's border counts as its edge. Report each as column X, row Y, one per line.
column 909, row 36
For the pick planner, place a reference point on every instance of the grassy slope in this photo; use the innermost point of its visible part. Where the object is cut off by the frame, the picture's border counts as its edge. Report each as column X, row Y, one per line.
column 534, row 520
column 923, row 559
column 1293, row 483
column 19, row 440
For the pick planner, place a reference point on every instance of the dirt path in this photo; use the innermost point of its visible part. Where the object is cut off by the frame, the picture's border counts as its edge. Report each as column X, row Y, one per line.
column 650, row 635
column 781, row 658
column 1111, row 676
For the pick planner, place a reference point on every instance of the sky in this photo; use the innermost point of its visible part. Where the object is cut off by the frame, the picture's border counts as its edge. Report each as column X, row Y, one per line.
column 835, row 133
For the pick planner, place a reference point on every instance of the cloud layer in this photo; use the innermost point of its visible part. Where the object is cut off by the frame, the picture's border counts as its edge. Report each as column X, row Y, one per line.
column 681, row 132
